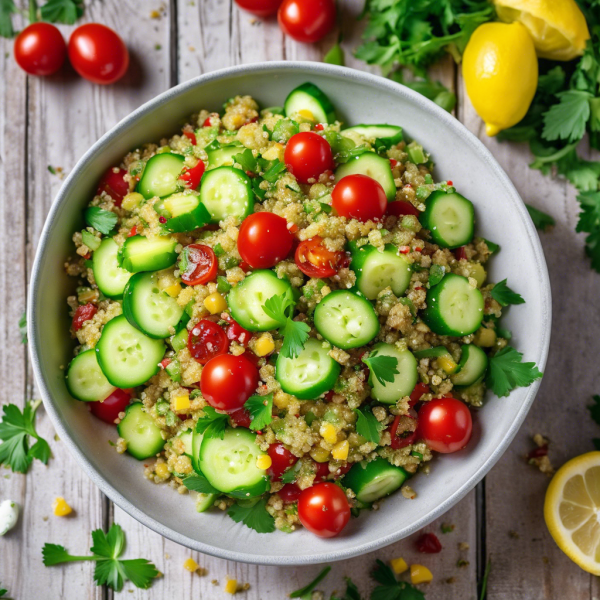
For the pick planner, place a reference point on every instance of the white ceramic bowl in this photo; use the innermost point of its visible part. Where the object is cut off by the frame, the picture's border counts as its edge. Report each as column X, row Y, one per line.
column 359, row 98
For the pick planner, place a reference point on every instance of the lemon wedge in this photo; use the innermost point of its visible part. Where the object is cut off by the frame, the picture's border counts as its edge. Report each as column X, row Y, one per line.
column 558, row 27
column 572, row 510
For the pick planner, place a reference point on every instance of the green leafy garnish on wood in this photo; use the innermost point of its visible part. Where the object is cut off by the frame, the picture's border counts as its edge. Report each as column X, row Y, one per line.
column 253, row 515
column 23, row 328
column 367, row 425
column 382, row 367
column 260, row 409
column 307, row 589
column 7, row 9
column 589, row 222
column 351, row 593
column 540, row 219
column 212, row 424
column 507, row 372
column 502, row 294
column 390, row 588
column 335, row 56
column 109, row 570
column 62, row 11
column 199, row 483
column 101, row 220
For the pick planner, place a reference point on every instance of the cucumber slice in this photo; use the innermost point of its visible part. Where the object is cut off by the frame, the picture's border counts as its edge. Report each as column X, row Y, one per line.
column 184, row 212
column 404, row 381
column 346, row 319
column 374, row 480
column 148, row 308
column 442, row 355
column 472, row 366
column 227, row 192
column 161, row 176
column 223, row 157
column 110, row 278
column 126, row 356
column 186, row 438
column 196, row 445
column 142, row 434
column 229, row 464
column 453, row 307
column 247, row 298
column 312, row 373
column 205, row 501
column 85, row 379
column 140, row 253
column 450, row 218
column 179, row 340
column 372, row 165
column 389, row 135
column 377, row 270
column 306, row 100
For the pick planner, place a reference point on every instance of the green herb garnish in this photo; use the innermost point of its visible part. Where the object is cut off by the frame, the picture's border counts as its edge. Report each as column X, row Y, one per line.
column 390, row 588
column 260, row 409
column 382, row 367
column 502, row 294
column 507, row 372
column 212, row 424
column 295, row 333
column 307, row 589
column 101, row 220
column 253, row 514
column 367, row 425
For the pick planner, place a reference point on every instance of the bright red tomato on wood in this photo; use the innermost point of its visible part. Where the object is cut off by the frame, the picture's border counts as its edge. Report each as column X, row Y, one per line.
column 445, row 424
column 307, row 20
column 82, row 314
column 198, row 264
column 323, row 509
column 282, row 459
column 264, row 240
column 227, row 381
column 315, row 260
column 359, row 197
column 108, row 410
column 40, row 49
column 260, row 8
column 207, row 340
column 307, row 155
column 98, row 54
column 114, row 184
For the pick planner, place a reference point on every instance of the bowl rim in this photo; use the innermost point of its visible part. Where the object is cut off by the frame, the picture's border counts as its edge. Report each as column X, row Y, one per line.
column 385, row 86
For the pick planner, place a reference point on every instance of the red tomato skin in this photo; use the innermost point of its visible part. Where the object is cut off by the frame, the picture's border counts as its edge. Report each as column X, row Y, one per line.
column 290, row 492
column 260, row 8
column 307, row 155
column 108, row 409
column 193, row 176
column 198, row 264
column 207, row 340
column 420, row 390
column 282, row 459
column 315, row 260
column 307, row 20
column 428, row 543
column 227, row 381
column 190, row 135
column 321, row 471
column 114, row 184
column 359, row 197
column 264, row 240
column 235, row 332
column 98, row 54
column 40, row 49
column 241, row 418
column 460, row 253
column 399, row 208
column 323, row 509
column 82, row 314
column 445, row 424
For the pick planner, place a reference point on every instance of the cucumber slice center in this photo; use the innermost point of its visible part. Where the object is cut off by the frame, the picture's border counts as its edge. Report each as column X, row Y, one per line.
column 129, row 350
column 379, row 487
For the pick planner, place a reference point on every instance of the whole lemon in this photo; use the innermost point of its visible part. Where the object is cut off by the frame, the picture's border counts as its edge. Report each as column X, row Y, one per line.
column 500, row 69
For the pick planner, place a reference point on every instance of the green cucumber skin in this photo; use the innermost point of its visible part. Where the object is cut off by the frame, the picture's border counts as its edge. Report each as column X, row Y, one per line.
column 404, row 382
column 144, row 186
column 108, row 388
column 243, row 180
column 458, row 378
column 98, row 258
column 190, row 221
column 320, row 97
column 361, row 475
column 158, row 262
column 205, row 502
column 122, row 430
column 426, row 219
column 392, row 140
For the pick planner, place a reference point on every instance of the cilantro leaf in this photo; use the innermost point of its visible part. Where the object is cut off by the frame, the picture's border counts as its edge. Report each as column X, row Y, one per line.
column 246, row 160
column 291, row 474
column 274, row 171
column 212, row 424
column 260, row 409
column 101, row 220
column 502, row 294
column 199, row 483
column 312, row 585
column 295, row 333
column 253, row 515
column 589, row 222
column 567, row 119
column 540, row 219
column 507, row 372
column 62, row 11
column 23, row 328
column 367, row 425
column 382, row 367
column 3, row 592
column 595, row 409
column 7, row 8
column 390, row 588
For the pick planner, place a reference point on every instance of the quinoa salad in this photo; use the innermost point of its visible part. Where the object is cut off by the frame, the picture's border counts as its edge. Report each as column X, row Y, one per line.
column 284, row 314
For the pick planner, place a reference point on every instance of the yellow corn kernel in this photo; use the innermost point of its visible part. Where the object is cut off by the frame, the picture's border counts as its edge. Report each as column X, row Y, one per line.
column 132, row 200
column 173, row 290
column 231, row 586
column 340, row 450
column 190, row 565
column 306, row 114
column 485, row 337
column 264, row 345
column 319, row 454
column 478, row 273
column 328, row 433
column 61, row 508
column 181, row 402
column 420, row 574
column 275, row 152
column 399, row 565
column 263, row 462
column 281, row 400
column 215, row 303
column 162, row 470
column 448, row 364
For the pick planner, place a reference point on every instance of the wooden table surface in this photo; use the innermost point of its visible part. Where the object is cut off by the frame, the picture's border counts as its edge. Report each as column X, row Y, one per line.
column 53, row 121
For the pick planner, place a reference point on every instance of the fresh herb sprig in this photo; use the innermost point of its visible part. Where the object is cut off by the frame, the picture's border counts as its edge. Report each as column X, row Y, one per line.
column 507, row 372
column 53, row 11
column 307, row 589
column 101, row 220
column 390, row 588
column 23, row 328
column 199, row 483
column 212, row 424
column 260, row 409
column 253, row 514
column 367, row 425
column 541, row 220
column 502, row 294
column 382, row 367
column 351, row 593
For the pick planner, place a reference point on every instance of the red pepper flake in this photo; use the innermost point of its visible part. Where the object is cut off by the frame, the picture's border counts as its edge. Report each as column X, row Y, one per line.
column 460, row 253
column 449, row 182
column 87, row 256
column 251, row 174
column 206, row 122
column 292, row 227
column 404, row 249
column 393, row 162
column 418, row 249
column 319, row 127
column 408, row 185
column 538, row 452
column 162, row 219
column 254, row 120
column 418, row 288
column 133, row 231
column 428, row 543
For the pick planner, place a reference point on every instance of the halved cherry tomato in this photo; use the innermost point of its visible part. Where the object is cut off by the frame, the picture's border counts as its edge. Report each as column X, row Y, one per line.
column 359, row 197
column 460, row 253
column 207, row 340
column 193, row 176
column 428, row 543
column 241, row 418
column 82, row 314
column 282, row 459
column 416, row 394
column 410, row 437
column 290, row 492
column 190, row 135
column 315, row 260
column 323, row 509
column 235, row 332
column 227, row 381
column 307, row 155
column 260, row 8
column 399, row 208
column 108, row 410
column 445, row 424
column 321, row 471
column 198, row 264
column 341, row 471
column 40, row 49
column 114, row 184
column 307, row 20
column 264, row 240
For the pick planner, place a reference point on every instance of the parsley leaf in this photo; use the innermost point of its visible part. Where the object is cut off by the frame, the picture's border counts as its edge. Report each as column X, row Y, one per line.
column 566, row 120
column 62, row 11
column 274, row 171
column 253, row 515
column 260, row 409
column 23, row 328
column 540, row 219
column 367, row 425
column 589, row 222
column 247, row 161
column 7, row 8
column 507, row 372
column 106, row 550
column 212, row 424
column 199, row 483
column 312, row 585
column 15, row 430
column 502, row 294
column 382, row 367
column 352, row 592
column 101, row 220
column 390, row 588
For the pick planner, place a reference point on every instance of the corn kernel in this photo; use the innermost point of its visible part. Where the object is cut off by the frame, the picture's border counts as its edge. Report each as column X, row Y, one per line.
column 340, row 450
column 319, row 454
column 399, row 565
column 275, row 152
column 181, row 402
column 263, row 462
column 281, row 400
column 328, row 433
column 231, row 586
column 162, row 470
column 478, row 273
column 190, row 565
column 446, row 363
column 173, row 290
column 264, row 345
column 61, row 508
column 306, row 114
column 215, row 303
column 485, row 337
column 132, row 200
column 420, row 574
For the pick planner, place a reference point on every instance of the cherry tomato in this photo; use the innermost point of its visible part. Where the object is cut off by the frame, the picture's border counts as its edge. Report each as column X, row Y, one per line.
column 241, row 418
column 399, row 208
column 108, row 410
column 428, row 543
column 264, row 240
column 307, row 20
column 290, row 492
column 359, row 197
column 307, row 155
column 282, row 459
column 260, row 8
column 445, row 424
column 114, row 184
column 324, row 509
column 321, row 471
column 82, row 314
column 415, row 395
column 198, row 264
column 401, row 441
column 40, row 49
column 227, row 381
column 98, row 54
column 315, row 260
column 190, row 135
column 236, row 333
column 193, row 176
column 207, row 340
